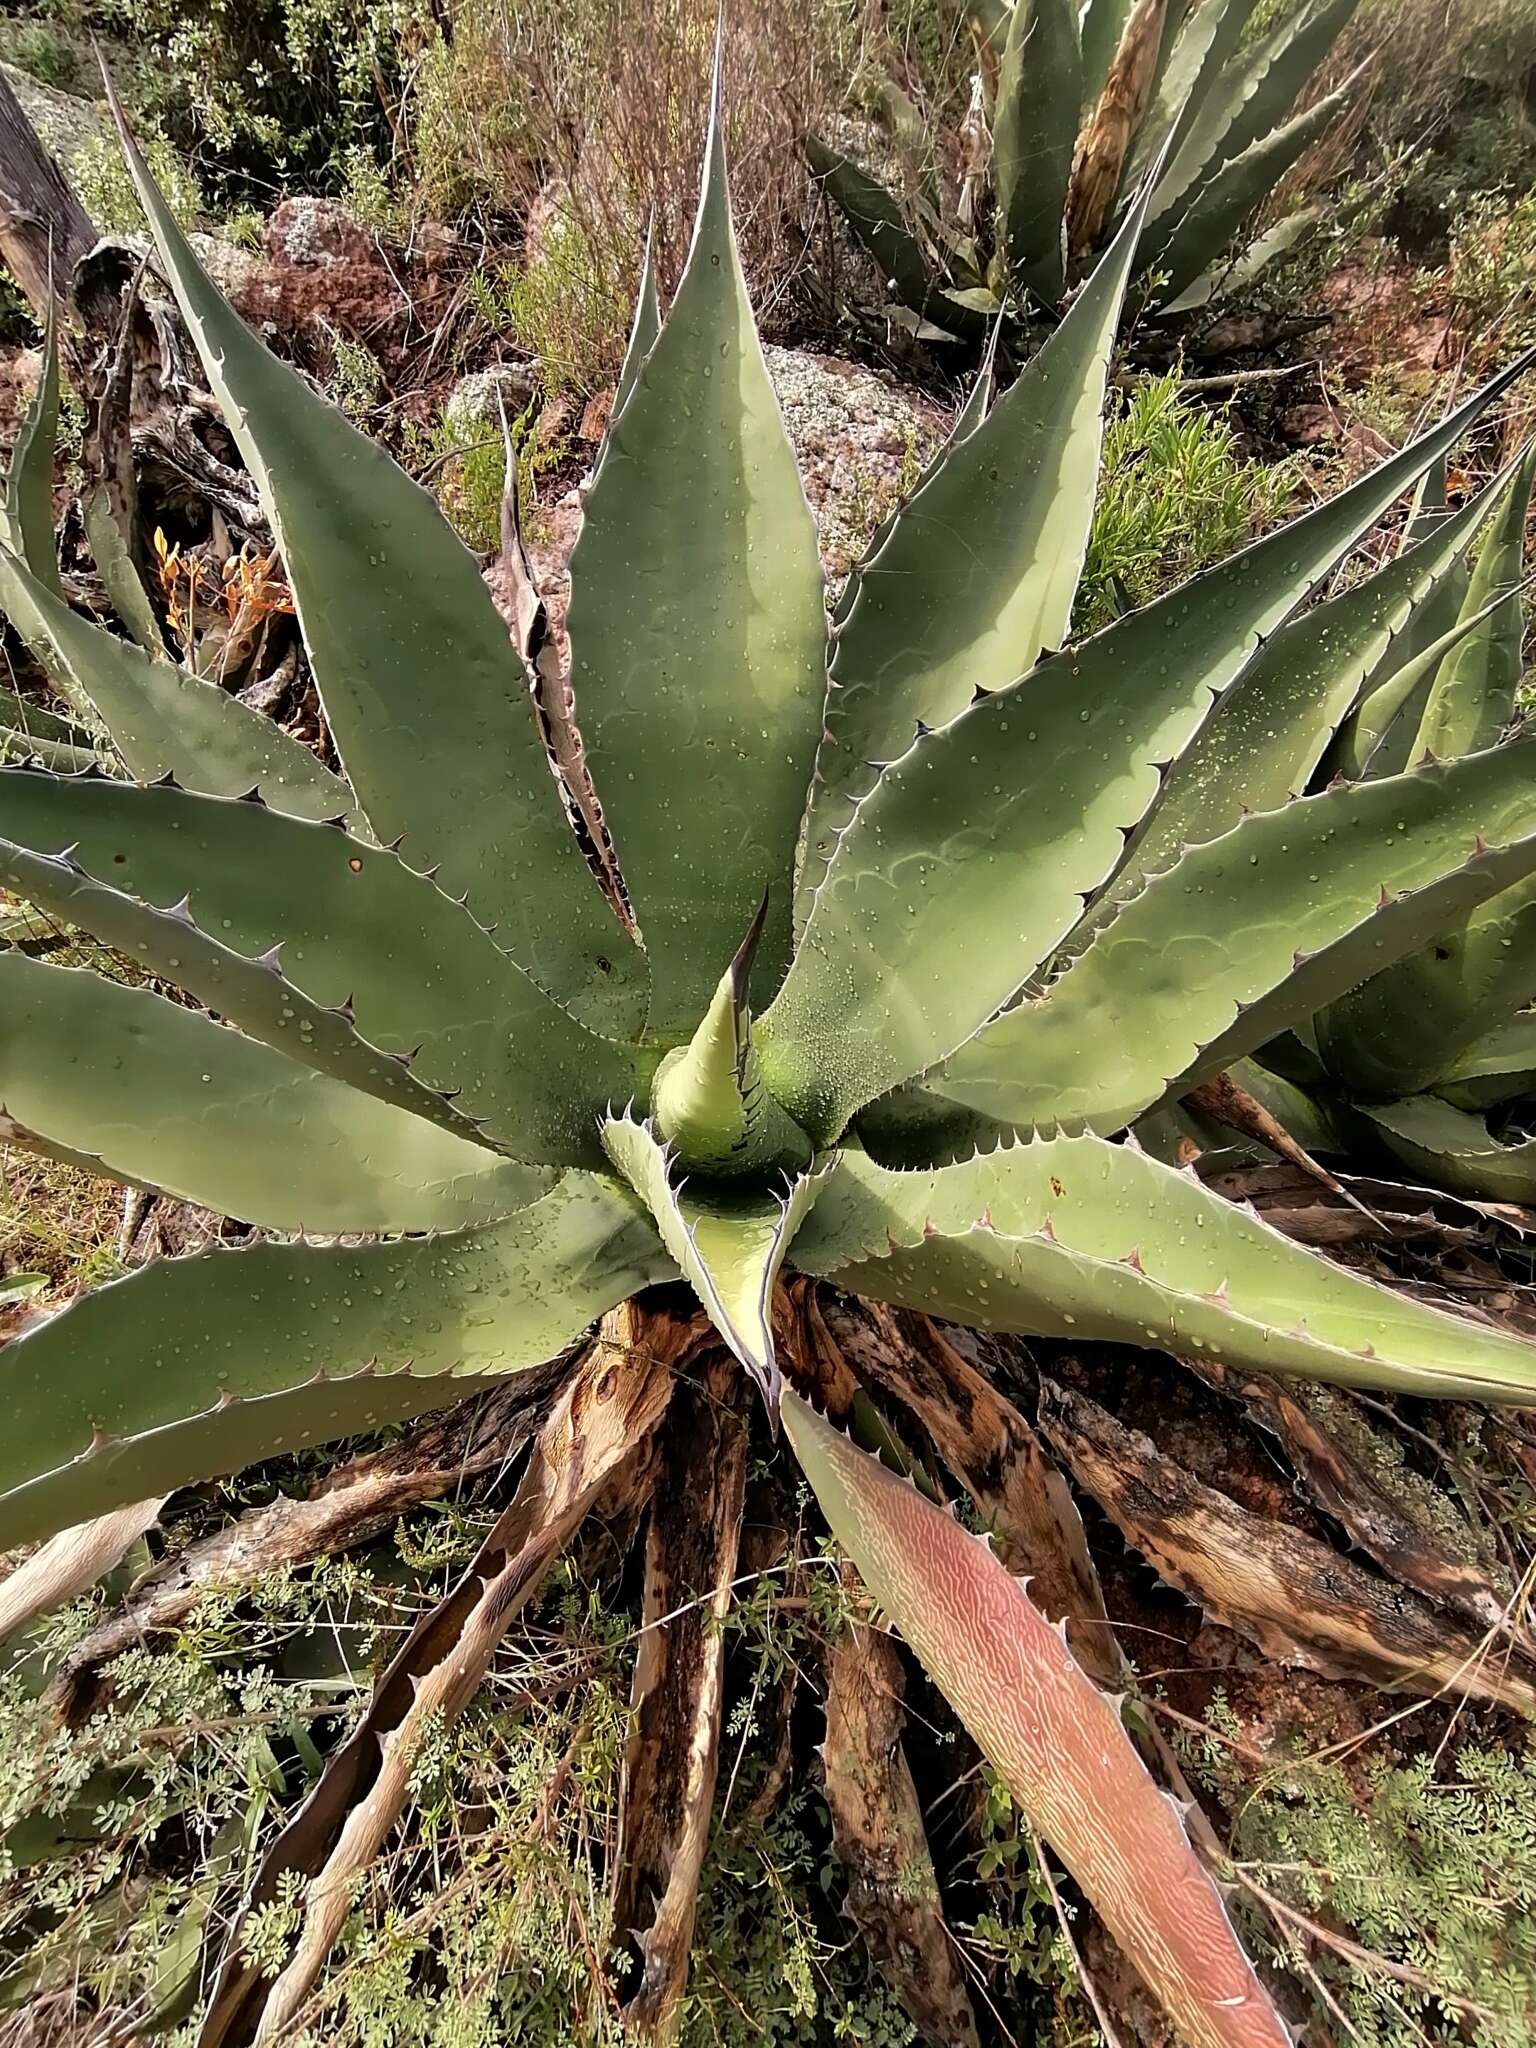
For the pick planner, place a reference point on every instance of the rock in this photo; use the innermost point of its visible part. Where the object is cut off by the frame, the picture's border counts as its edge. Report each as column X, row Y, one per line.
column 472, row 401
column 861, row 441
column 306, row 232
column 230, row 266
column 65, row 123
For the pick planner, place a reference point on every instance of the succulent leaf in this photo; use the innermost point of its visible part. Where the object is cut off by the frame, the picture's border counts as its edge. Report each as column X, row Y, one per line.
column 876, row 218
column 643, row 331
column 1186, row 96
column 26, row 512
column 1057, row 1741
column 977, row 572
column 1453, row 1148
column 1495, row 1068
column 966, row 865
column 1040, row 90
column 163, row 1096
column 1472, row 697
column 124, row 585
column 729, row 1246
column 708, row 1100
column 1205, row 225
column 1405, row 1029
column 1236, row 272
column 357, row 928
column 1265, row 736
column 1355, row 876
column 1082, row 1239
column 162, row 719
column 197, row 1366
column 698, row 634
column 31, row 722
column 422, row 688
column 248, row 991
column 1103, row 24
column 1251, row 98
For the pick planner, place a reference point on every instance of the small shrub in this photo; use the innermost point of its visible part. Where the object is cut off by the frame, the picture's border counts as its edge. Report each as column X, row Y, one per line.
column 1175, row 495
column 567, row 304
column 1492, row 275
column 36, row 46
column 105, row 189
column 1428, row 1862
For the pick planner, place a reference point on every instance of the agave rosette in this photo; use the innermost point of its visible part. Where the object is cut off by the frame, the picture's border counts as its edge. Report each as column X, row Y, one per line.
column 994, row 897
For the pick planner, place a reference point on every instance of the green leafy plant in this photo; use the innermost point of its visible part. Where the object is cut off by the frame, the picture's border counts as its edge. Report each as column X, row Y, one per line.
column 1175, row 494
column 509, row 1075
column 1072, row 109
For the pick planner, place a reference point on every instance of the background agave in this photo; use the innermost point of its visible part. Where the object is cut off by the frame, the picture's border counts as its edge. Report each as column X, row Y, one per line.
column 498, row 1051
column 1072, row 109
column 1434, row 1060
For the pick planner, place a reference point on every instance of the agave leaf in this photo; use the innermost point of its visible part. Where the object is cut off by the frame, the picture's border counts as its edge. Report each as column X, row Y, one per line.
column 729, row 1247
column 125, row 587
column 973, row 411
column 60, row 755
column 644, row 328
column 1495, row 1068
column 27, row 524
column 1353, row 748
column 1103, row 24
column 1472, row 697
column 197, row 1366
column 1263, row 739
column 31, row 721
column 422, row 688
column 978, row 570
column 358, row 930
column 1034, row 133
column 1378, row 740
column 1405, row 1029
column 1057, row 1741
column 966, row 865
column 1082, row 1239
column 875, row 215
column 913, row 139
column 1205, row 226
column 1301, row 1116
column 249, row 992
column 162, row 719
column 698, row 633
column 1249, row 263
column 1356, row 876
column 708, row 1098
column 1453, row 1148
column 1196, row 54
column 1247, row 97
column 153, row 1093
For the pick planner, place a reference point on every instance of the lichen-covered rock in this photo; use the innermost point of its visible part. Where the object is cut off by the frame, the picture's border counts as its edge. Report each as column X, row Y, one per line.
column 309, row 231
column 861, row 440
column 65, row 123
column 472, row 401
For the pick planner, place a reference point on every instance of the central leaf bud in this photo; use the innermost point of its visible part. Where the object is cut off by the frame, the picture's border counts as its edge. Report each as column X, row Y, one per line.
column 709, row 1101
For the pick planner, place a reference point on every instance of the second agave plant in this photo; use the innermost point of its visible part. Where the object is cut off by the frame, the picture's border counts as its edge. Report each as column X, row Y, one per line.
column 1071, row 110
column 867, row 945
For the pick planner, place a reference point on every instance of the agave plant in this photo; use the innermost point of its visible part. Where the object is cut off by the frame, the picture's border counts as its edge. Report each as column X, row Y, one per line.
column 1071, row 109
column 1433, row 1060
column 870, row 891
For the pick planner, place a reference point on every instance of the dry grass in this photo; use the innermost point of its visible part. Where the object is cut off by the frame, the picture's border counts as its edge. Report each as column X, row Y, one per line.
column 584, row 119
